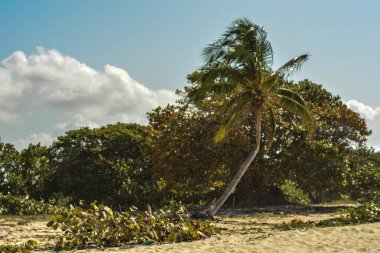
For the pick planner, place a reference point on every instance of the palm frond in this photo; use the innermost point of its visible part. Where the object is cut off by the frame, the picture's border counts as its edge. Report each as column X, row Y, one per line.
column 215, row 80
column 216, row 50
column 303, row 112
column 294, row 64
column 239, row 28
column 199, row 93
column 284, row 71
column 234, row 117
column 271, row 83
column 241, row 98
column 244, row 34
column 220, row 73
column 262, row 47
column 292, row 95
column 266, row 52
column 239, row 54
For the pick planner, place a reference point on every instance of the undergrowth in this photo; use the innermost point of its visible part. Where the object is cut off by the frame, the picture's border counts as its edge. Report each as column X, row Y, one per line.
column 22, row 205
column 366, row 212
column 100, row 226
column 18, row 248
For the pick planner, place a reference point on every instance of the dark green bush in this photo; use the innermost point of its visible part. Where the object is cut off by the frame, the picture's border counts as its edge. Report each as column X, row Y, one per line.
column 107, row 164
column 293, row 194
column 100, row 226
column 22, row 205
column 22, row 248
column 367, row 212
column 300, row 224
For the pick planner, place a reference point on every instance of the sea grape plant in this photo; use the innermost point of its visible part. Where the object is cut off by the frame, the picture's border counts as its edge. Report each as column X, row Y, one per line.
column 20, row 248
column 23, row 205
column 100, row 226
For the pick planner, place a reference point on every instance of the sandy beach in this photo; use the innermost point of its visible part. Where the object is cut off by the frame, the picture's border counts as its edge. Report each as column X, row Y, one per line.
column 361, row 238
column 240, row 233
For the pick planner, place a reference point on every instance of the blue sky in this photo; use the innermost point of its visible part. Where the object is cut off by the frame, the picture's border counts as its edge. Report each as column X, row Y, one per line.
column 153, row 45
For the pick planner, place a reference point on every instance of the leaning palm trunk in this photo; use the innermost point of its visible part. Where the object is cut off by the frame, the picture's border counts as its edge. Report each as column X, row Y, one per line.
column 239, row 67
column 243, row 168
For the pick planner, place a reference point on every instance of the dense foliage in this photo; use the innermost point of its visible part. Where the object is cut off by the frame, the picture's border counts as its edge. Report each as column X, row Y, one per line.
column 100, row 226
column 363, row 213
column 293, row 194
column 222, row 124
column 108, row 164
column 340, row 131
column 35, row 171
column 174, row 157
column 23, row 248
column 10, row 169
column 10, row 204
column 366, row 212
column 361, row 177
column 187, row 163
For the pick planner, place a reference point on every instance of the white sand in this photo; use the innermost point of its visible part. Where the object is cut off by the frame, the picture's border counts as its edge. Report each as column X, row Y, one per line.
column 244, row 234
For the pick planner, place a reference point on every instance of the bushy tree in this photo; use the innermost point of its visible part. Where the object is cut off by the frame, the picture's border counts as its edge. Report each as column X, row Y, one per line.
column 190, row 166
column 106, row 164
column 10, row 174
column 35, row 170
column 339, row 132
column 361, row 178
column 186, row 163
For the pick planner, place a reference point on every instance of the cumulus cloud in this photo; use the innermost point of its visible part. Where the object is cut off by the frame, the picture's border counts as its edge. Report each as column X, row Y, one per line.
column 76, row 121
column 72, row 87
column 366, row 111
column 79, row 94
column 372, row 117
column 42, row 138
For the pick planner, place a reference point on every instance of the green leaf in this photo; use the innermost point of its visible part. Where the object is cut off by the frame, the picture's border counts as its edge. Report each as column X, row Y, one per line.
column 50, row 223
column 172, row 237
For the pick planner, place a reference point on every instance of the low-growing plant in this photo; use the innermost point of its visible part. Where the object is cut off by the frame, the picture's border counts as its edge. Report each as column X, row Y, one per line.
column 293, row 193
column 18, row 248
column 300, row 224
column 294, row 224
column 23, row 205
column 100, row 226
column 366, row 212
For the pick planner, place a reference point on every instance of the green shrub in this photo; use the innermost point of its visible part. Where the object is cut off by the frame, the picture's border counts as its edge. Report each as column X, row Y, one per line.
column 100, row 226
column 300, row 224
column 293, row 194
column 107, row 164
column 367, row 212
column 22, row 205
column 23, row 248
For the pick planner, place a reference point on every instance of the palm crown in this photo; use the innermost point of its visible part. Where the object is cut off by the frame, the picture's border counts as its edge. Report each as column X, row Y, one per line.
column 239, row 67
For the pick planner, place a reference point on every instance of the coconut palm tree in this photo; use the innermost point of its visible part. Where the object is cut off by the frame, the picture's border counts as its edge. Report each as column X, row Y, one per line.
column 239, row 68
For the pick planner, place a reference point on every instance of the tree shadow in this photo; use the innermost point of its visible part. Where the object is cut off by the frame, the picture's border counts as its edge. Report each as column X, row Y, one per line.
column 283, row 209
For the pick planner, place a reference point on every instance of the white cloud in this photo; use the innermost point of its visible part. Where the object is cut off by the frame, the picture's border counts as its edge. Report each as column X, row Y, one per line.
column 366, row 111
column 372, row 117
column 76, row 121
column 71, row 87
column 377, row 147
column 42, row 138
column 75, row 94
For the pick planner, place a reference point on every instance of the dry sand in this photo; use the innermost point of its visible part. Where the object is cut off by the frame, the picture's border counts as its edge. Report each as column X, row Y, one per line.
column 243, row 233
